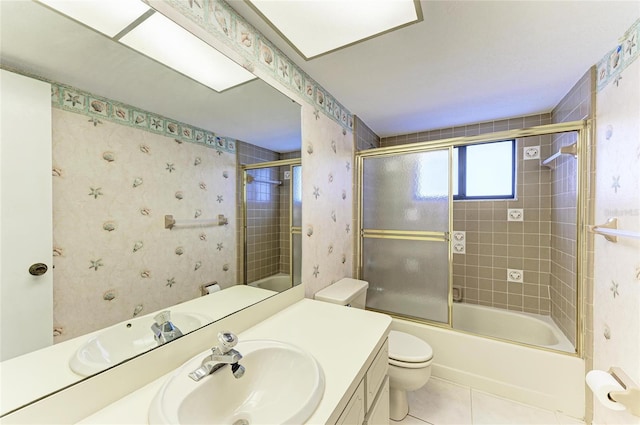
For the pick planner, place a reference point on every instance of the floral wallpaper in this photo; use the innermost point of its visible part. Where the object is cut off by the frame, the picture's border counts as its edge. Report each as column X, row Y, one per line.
column 616, row 298
column 112, row 186
column 327, row 202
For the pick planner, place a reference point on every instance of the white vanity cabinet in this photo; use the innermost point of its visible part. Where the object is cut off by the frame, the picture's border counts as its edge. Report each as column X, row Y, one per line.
column 369, row 404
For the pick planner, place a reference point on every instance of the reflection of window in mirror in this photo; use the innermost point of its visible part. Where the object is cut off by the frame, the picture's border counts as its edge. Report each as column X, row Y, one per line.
column 262, row 187
column 297, row 184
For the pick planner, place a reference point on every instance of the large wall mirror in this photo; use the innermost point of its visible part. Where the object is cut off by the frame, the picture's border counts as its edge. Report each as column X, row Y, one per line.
column 115, row 263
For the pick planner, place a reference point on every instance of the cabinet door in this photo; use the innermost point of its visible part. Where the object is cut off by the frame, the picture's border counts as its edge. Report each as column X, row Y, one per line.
column 379, row 413
column 353, row 414
column 376, row 373
column 26, row 311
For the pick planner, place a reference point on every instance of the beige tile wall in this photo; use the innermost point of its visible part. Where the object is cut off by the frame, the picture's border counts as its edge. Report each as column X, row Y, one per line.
column 262, row 240
column 578, row 104
column 364, row 137
column 268, row 222
column 495, row 244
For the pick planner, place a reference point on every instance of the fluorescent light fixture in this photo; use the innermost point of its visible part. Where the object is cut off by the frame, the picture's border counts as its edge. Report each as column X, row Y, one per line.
column 165, row 41
column 106, row 16
column 316, row 27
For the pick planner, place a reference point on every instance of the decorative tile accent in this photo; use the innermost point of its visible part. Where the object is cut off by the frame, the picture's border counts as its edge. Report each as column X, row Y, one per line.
column 531, row 152
column 515, row 214
column 220, row 20
column 614, row 62
column 514, row 275
column 75, row 100
column 459, row 241
column 99, row 107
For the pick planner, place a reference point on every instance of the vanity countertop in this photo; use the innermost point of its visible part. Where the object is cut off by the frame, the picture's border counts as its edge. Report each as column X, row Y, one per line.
column 343, row 340
column 44, row 371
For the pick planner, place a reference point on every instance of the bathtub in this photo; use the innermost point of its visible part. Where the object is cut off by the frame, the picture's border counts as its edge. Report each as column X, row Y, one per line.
column 549, row 380
column 277, row 282
column 538, row 377
column 527, row 328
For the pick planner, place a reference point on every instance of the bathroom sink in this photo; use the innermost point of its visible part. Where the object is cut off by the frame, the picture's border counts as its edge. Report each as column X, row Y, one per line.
column 125, row 340
column 282, row 384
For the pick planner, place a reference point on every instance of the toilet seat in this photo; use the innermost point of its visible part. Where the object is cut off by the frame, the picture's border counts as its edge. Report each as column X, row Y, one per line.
column 408, row 351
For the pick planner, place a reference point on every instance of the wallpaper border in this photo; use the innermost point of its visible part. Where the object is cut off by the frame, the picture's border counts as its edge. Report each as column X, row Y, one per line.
column 97, row 108
column 219, row 18
column 619, row 58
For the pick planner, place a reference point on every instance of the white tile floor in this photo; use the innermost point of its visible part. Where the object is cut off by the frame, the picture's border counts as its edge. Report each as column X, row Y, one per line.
column 442, row 402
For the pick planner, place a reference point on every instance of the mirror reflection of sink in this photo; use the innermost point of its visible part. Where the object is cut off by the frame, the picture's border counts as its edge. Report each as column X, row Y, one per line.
column 282, row 384
column 125, row 340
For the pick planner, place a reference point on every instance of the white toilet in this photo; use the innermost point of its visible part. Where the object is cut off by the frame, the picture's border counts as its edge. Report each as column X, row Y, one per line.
column 409, row 357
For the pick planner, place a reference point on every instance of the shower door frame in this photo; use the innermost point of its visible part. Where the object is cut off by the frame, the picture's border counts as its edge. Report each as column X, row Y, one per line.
column 584, row 157
column 416, row 235
column 292, row 229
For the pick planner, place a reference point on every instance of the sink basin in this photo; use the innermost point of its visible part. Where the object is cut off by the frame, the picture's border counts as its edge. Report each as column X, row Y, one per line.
column 125, row 340
column 282, row 384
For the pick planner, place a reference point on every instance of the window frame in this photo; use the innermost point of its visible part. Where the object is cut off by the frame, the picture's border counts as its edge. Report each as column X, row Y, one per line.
column 462, row 173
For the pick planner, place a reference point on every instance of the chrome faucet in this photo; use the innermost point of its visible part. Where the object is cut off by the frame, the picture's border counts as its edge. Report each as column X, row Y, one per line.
column 163, row 329
column 221, row 356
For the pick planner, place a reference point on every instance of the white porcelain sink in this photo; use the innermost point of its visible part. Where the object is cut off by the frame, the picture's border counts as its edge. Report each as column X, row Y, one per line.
column 125, row 340
column 282, row 384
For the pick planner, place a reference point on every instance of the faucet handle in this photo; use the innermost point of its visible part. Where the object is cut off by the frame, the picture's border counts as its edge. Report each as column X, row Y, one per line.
column 227, row 340
column 162, row 317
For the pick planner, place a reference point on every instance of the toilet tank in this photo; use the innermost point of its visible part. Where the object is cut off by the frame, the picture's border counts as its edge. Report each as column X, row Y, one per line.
column 346, row 291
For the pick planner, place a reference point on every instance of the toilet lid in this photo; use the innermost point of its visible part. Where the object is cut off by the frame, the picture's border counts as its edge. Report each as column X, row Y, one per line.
column 408, row 348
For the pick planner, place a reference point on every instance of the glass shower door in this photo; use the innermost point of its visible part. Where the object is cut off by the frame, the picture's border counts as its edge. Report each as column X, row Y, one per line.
column 405, row 219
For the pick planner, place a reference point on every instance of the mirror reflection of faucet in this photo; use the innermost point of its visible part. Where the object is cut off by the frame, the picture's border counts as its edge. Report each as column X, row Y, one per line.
column 163, row 329
column 221, row 356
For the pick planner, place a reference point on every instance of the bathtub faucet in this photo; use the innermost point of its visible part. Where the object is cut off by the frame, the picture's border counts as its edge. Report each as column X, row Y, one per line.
column 163, row 329
column 221, row 356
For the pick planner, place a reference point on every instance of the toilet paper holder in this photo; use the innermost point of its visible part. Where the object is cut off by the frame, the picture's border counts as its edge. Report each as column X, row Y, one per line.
column 203, row 288
column 630, row 397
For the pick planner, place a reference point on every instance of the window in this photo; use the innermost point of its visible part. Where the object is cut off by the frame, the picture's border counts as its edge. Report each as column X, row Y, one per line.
column 484, row 171
column 480, row 171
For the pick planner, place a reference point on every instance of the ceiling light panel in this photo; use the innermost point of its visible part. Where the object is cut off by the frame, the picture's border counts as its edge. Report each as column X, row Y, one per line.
column 315, row 27
column 106, row 16
column 165, row 41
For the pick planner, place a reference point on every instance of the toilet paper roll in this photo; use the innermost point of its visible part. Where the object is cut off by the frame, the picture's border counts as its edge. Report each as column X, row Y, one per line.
column 602, row 383
column 212, row 288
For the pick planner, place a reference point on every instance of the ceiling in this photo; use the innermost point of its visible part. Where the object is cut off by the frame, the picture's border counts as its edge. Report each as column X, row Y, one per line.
column 466, row 62
column 43, row 43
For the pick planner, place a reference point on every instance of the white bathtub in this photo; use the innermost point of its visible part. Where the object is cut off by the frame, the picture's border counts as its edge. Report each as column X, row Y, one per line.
column 542, row 378
column 521, row 327
column 277, row 282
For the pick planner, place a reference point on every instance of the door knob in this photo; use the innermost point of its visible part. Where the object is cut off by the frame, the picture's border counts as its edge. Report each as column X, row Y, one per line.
column 38, row 269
